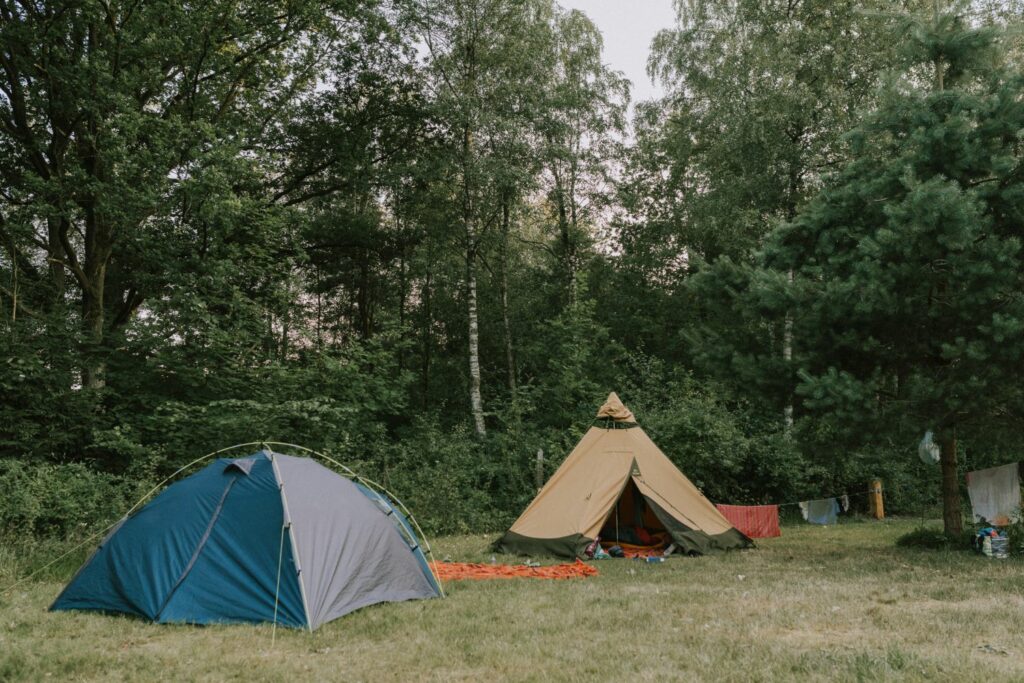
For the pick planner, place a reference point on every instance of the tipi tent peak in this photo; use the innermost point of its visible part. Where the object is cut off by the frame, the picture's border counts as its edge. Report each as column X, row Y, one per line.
column 614, row 409
column 266, row 537
column 618, row 486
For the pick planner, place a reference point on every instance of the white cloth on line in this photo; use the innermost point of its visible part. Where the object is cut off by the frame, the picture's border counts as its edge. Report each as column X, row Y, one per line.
column 995, row 494
column 822, row 511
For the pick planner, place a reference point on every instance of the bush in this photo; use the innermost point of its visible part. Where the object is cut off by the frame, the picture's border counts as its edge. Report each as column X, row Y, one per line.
column 444, row 478
column 60, row 500
column 926, row 538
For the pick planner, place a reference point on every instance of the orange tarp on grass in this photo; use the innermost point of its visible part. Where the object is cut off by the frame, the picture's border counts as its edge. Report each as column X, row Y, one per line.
column 454, row 571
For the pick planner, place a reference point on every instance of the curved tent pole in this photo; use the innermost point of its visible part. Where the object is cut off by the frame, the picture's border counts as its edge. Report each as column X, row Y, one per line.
column 370, row 484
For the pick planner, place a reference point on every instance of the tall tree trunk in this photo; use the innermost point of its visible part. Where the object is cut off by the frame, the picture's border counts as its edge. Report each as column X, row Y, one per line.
column 319, row 311
column 402, row 284
column 952, row 518
column 364, row 295
column 92, row 275
column 94, row 369
column 286, row 326
column 510, row 359
column 54, row 253
column 787, row 328
column 94, row 280
column 475, row 399
column 428, row 322
column 565, row 233
column 787, row 357
column 469, row 215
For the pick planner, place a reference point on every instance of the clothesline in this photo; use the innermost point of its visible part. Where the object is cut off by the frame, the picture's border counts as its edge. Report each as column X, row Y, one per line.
column 762, row 521
column 839, row 495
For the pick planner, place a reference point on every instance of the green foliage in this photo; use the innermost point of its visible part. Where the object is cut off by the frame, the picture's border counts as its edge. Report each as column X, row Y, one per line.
column 61, row 500
column 929, row 538
column 1015, row 533
column 335, row 224
column 573, row 361
column 443, row 477
column 759, row 95
column 907, row 267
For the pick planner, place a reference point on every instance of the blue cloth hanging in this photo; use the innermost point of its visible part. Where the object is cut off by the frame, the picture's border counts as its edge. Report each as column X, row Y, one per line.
column 821, row 511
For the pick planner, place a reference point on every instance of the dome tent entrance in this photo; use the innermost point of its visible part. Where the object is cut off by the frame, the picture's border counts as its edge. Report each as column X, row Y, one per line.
column 615, row 478
column 263, row 538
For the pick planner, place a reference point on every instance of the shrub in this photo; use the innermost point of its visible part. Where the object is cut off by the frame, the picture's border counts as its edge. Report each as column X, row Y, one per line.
column 928, row 538
column 59, row 499
column 442, row 476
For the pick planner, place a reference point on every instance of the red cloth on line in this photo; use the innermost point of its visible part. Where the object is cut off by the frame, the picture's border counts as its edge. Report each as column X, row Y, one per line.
column 756, row 521
column 454, row 571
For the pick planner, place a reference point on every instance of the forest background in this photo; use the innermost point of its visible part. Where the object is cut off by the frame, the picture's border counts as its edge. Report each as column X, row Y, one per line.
column 429, row 236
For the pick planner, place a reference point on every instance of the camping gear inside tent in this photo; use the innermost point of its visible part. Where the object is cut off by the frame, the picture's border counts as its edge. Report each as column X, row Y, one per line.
column 263, row 538
column 617, row 485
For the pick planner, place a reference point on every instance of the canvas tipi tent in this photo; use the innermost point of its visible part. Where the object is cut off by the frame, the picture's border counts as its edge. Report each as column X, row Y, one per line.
column 263, row 538
column 616, row 481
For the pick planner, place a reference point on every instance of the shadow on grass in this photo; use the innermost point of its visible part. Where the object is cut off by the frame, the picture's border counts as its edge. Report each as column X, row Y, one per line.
column 930, row 538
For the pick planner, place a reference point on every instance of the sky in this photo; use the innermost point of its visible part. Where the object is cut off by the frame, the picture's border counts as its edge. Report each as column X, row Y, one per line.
column 628, row 27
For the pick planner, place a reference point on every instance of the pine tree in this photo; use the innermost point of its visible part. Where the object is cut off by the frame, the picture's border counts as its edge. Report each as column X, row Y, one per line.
column 908, row 267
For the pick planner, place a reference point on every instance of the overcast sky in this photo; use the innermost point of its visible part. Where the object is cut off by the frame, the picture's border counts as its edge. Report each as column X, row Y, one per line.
column 628, row 27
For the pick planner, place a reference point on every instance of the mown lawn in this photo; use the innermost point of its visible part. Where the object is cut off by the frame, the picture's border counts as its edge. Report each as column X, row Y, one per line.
column 834, row 603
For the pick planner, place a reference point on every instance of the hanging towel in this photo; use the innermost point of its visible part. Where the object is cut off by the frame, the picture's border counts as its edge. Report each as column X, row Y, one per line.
column 821, row 511
column 755, row 521
column 995, row 494
column 803, row 509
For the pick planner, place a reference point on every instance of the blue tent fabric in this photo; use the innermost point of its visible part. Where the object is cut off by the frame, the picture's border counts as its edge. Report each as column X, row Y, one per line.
column 136, row 568
column 209, row 549
column 234, row 577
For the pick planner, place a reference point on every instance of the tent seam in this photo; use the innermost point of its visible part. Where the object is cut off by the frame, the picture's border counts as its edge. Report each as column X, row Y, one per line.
column 199, row 549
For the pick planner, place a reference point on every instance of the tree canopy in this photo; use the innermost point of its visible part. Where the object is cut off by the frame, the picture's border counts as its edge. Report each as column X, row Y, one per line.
column 431, row 235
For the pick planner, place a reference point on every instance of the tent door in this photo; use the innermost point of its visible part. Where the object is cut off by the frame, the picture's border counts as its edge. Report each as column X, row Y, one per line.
column 630, row 512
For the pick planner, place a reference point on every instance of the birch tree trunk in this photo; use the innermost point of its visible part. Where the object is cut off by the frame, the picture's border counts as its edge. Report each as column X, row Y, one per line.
column 510, row 359
column 475, row 399
column 787, row 356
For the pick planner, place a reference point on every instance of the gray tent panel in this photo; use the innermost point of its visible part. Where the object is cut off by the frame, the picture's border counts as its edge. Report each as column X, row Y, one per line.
column 350, row 553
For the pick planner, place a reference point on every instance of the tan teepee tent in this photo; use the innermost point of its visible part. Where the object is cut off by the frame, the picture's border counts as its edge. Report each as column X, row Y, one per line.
column 616, row 481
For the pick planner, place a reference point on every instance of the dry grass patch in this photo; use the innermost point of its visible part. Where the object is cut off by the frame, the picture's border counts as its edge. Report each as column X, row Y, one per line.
column 820, row 604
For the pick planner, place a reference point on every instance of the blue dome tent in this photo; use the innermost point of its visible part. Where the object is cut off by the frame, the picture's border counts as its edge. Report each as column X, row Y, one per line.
column 262, row 538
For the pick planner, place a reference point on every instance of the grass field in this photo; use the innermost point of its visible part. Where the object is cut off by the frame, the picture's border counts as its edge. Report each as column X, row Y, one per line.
column 820, row 603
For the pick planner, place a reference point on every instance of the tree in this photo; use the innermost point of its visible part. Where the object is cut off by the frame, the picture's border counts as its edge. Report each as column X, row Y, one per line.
column 580, row 122
column 104, row 109
column 759, row 94
column 478, row 67
column 909, row 266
